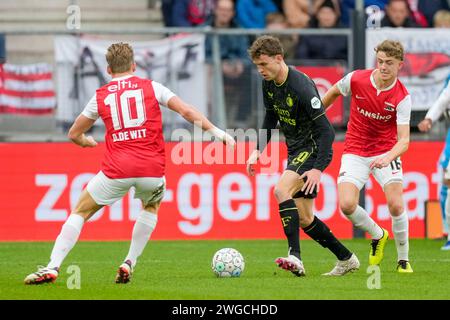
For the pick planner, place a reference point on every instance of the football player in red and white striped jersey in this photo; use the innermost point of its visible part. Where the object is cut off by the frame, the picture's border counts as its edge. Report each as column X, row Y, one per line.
column 377, row 135
column 134, row 157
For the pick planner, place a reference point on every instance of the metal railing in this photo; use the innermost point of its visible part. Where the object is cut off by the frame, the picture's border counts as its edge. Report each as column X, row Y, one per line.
column 220, row 116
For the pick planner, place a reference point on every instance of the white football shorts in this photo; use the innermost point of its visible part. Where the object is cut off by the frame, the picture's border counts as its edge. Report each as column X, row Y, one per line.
column 106, row 191
column 356, row 170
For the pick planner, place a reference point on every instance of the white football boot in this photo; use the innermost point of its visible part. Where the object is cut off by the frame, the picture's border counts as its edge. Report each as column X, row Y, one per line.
column 43, row 275
column 344, row 267
column 292, row 264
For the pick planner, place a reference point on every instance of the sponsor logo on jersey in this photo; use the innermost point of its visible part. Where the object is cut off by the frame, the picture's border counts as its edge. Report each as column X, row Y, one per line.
column 315, row 103
column 270, row 94
column 359, row 97
column 373, row 115
column 122, row 84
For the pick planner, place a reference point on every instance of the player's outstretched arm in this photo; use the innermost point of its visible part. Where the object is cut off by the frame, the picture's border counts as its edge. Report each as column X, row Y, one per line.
column 332, row 94
column 197, row 118
column 77, row 132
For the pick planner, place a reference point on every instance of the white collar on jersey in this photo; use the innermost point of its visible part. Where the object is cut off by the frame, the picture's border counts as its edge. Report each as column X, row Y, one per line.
column 122, row 77
column 372, row 80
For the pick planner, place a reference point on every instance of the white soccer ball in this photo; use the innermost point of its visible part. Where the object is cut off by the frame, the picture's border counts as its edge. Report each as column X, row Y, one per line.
column 228, row 262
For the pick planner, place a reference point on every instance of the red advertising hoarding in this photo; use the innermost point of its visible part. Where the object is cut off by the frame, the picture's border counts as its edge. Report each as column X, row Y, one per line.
column 325, row 78
column 41, row 181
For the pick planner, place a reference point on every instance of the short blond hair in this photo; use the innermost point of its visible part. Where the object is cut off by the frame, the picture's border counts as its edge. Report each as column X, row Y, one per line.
column 391, row 49
column 120, row 57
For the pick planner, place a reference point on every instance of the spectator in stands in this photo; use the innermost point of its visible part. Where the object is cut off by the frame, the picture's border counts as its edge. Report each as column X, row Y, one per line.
column 277, row 21
column 278, row 4
column 442, row 19
column 2, row 49
column 430, row 7
column 297, row 13
column 397, row 15
column 191, row 13
column 348, row 5
column 317, row 4
column 417, row 16
column 166, row 10
column 235, row 61
column 327, row 47
column 252, row 13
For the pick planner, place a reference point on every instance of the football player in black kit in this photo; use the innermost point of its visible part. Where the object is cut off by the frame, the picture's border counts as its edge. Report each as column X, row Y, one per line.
column 291, row 98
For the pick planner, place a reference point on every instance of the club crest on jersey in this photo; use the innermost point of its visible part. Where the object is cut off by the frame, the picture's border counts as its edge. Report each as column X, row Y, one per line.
column 389, row 107
column 289, row 101
column 315, row 103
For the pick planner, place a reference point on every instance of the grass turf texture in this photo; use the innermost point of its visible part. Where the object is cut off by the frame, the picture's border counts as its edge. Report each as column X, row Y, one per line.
column 181, row 270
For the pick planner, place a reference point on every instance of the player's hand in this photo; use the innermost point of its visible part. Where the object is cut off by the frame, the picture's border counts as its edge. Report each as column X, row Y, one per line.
column 379, row 163
column 312, row 180
column 254, row 156
column 425, row 125
column 228, row 141
column 89, row 142
column 223, row 136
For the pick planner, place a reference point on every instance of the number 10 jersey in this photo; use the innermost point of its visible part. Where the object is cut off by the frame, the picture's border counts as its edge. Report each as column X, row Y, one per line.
column 129, row 107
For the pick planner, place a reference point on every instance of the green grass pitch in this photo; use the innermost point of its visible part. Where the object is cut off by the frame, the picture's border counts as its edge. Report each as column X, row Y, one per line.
column 181, row 270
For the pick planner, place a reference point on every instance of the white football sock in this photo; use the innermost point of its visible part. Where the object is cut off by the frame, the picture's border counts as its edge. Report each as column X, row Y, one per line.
column 400, row 227
column 142, row 230
column 66, row 240
column 361, row 220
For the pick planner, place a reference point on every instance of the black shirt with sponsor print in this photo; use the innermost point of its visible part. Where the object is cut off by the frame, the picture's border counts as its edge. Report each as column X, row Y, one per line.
column 296, row 105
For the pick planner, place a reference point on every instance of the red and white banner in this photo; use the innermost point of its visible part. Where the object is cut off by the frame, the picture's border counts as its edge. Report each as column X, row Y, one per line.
column 325, row 78
column 27, row 89
column 426, row 62
column 41, row 181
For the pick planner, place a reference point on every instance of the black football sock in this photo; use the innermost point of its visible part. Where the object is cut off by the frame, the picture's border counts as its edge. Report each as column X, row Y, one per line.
column 290, row 221
column 319, row 232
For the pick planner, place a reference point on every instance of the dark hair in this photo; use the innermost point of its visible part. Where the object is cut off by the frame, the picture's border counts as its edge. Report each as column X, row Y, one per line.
column 267, row 45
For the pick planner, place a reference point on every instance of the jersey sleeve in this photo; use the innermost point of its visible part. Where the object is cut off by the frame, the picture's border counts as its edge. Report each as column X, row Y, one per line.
column 91, row 109
column 266, row 98
column 440, row 104
column 344, row 85
column 311, row 101
column 162, row 93
column 404, row 111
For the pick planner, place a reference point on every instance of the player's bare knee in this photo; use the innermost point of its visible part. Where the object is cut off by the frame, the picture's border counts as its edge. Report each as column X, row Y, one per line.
column 281, row 194
column 396, row 208
column 348, row 206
